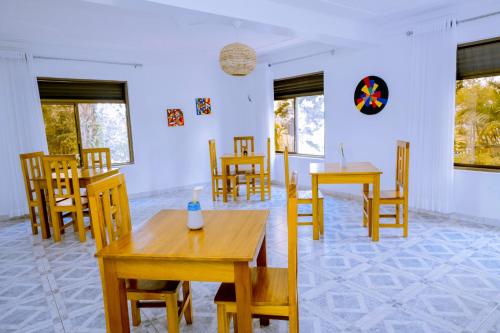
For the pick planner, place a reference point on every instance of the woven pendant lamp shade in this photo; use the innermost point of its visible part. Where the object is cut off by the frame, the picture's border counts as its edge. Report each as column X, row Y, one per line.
column 237, row 59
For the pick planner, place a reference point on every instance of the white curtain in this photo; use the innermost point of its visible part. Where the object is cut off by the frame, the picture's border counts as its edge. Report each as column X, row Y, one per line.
column 21, row 128
column 431, row 120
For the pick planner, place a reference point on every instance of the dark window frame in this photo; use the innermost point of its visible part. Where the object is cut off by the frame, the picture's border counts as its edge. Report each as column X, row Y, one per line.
column 314, row 92
column 75, row 103
column 474, row 75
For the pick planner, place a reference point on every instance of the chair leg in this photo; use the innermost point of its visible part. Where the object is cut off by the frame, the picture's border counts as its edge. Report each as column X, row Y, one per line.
column 172, row 314
column 81, row 226
column 188, row 299
column 235, row 322
column 321, row 217
column 405, row 219
column 235, row 190
column 222, row 319
column 248, row 187
column 213, row 189
column 370, row 217
column 269, row 186
column 398, row 220
column 34, row 228
column 136, row 313
column 294, row 320
column 56, row 224
column 365, row 212
column 75, row 224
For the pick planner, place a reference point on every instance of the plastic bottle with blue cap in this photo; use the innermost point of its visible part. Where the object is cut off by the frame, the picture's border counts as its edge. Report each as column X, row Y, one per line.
column 195, row 218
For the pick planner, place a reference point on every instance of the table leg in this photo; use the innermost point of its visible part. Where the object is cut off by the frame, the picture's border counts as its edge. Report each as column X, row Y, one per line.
column 261, row 166
column 315, row 206
column 224, row 181
column 243, row 286
column 262, row 262
column 262, row 257
column 375, row 208
column 366, row 189
column 115, row 299
column 42, row 211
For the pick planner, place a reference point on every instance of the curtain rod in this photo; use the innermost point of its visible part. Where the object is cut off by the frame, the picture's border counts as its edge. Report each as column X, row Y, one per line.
column 135, row 65
column 332, row 51
column 477, row 17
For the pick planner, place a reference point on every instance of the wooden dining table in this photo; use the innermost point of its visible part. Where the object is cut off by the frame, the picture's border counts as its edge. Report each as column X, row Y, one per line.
column 85, row 176
column 242, row 159
column 164, row 248
column 352, row 173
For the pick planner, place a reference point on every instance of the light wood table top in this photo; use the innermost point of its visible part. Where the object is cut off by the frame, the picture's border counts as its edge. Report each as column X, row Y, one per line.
column 165, row 249
column 89, row 175
column 238, row 155
column 350, row 168
column 228, row 235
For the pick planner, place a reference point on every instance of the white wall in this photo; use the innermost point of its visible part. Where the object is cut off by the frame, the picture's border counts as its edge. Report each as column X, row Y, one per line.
column 167, row 157
column 372, row 138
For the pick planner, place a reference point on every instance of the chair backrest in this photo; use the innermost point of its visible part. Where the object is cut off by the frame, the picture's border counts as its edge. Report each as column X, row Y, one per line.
column 96, row 158
column 61, row 173
column 32, row 167
column 243, row 144
column 292, row 216
column 402, row 166
column 268, row 170
column 213, row 157
column 109, row 209
column 285, row 162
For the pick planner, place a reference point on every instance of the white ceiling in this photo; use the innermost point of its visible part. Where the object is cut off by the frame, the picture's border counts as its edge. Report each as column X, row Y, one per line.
column 154, row 27
column 370, row 9
column 177, row 26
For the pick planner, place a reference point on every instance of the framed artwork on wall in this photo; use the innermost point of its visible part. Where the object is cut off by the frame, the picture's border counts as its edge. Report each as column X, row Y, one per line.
column 203, row 106
column 175, row 117
column 371, row 95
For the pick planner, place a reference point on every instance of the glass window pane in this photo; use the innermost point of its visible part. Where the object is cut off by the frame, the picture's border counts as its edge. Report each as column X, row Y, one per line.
column 477, row 121
column 60, row 128
column 310, row 125
column 284, row 125
column 105, row 125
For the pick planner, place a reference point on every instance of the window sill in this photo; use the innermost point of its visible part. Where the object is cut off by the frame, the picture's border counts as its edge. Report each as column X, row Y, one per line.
column 119, row 165
column 476, row 169
column 318, row 157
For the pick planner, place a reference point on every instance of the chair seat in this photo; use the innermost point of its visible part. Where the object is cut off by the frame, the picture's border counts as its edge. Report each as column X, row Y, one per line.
column 269, row 287
column 69, row 202
column 256, row 174
column 307, row 195
column 387, row 194
column 156, row 285
column 219, row 176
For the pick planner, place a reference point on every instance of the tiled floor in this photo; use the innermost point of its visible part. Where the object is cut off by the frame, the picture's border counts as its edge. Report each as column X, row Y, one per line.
column 444, row 278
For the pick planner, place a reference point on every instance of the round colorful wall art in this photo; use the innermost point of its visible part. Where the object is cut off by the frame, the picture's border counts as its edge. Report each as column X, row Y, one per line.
column 371, row 95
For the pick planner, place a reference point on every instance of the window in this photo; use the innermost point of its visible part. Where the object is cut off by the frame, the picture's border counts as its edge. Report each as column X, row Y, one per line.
column 86, row 114
column 477, row 114
column 300, row 115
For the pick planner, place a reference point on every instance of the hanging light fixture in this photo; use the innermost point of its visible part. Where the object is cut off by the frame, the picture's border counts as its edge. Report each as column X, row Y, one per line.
column 237, row 59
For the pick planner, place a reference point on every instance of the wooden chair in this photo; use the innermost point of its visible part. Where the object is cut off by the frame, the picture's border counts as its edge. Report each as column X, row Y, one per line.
column 111, row 220
column 251, row 177
column 397, row 197
column 305, row 198
column 274, row 290
column 32, row 167
column 96, row 158
column 216, row 176
column 244, row 145
column 63, row 188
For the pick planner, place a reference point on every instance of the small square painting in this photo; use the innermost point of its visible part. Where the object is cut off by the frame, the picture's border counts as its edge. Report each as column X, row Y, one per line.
column 203, row 106
column 175, row 117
